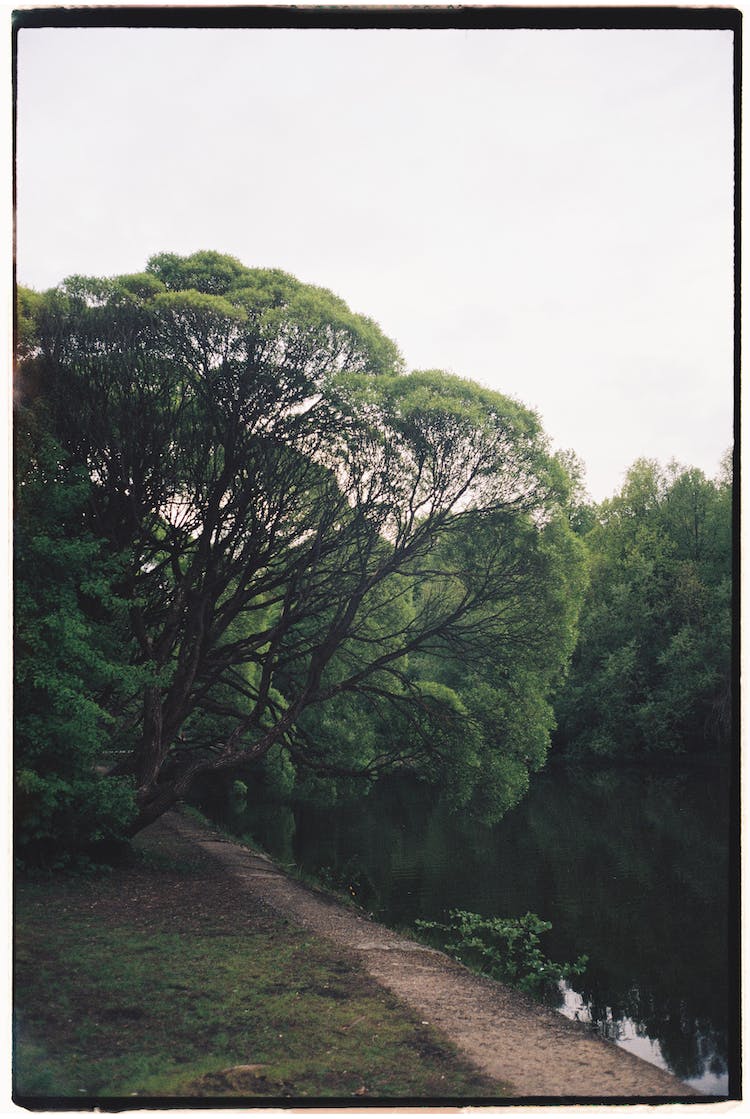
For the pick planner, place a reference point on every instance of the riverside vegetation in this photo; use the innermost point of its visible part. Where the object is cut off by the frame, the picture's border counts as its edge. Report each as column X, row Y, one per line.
column 251, row 547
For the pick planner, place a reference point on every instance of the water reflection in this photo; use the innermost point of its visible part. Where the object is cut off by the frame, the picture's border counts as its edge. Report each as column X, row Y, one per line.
column 630, row 869
column 709, row 1069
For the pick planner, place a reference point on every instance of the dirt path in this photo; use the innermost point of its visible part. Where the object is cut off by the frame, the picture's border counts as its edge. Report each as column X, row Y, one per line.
column 508, row 1036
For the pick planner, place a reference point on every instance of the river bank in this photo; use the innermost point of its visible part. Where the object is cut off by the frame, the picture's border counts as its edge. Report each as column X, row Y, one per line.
column 629, row 868
column 442, row 1033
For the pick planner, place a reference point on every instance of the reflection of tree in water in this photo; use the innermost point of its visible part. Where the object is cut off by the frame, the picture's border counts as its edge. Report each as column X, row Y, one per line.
column 273, row 825
column 690, row 1046
column 652, row 855
column 633, row 871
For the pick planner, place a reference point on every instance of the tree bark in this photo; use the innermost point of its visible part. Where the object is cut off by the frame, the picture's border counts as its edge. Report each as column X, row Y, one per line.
column 153, row 749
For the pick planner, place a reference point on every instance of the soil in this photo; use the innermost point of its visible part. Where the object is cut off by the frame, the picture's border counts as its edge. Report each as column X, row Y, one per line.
column 507, row 1036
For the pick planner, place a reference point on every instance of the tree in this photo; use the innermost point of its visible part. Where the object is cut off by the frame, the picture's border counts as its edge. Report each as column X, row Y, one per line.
column 68, row 642
column 290, row 514
column 652, row 671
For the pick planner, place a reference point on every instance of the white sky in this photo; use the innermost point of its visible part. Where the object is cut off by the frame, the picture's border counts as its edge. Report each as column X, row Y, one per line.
column 546, row 212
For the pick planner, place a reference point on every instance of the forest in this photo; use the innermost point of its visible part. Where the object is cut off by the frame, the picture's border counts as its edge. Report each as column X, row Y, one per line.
column 248, row 543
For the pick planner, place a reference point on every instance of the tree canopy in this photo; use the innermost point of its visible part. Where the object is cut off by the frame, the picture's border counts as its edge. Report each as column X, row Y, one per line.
column 652, row 672
column 301, row 536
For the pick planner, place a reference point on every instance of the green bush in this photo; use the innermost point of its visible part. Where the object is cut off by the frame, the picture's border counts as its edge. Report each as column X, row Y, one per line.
column 504, row 948
column 69, row 656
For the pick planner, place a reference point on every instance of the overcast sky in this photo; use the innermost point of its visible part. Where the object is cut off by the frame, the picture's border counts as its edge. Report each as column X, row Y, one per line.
column 546, row 212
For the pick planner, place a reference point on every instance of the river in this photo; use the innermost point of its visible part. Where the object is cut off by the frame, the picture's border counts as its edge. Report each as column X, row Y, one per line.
column 631, row 869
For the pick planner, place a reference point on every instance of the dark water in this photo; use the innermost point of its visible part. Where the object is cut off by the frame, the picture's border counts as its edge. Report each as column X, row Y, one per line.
column 630, row 869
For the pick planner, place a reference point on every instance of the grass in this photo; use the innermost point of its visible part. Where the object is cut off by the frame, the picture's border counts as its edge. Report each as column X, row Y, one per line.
column 159, row 979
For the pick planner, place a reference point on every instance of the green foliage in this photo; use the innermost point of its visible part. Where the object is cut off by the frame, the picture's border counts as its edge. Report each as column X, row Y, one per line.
column 67, row 639
column 78, row 821
column 530, row 629
column 209, row 272
column 505, row 948
column 652, row 670
column 328, row 566
column 279, row 774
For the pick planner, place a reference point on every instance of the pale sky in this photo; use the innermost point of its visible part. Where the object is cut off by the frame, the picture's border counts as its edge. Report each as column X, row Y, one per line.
column 547, row 212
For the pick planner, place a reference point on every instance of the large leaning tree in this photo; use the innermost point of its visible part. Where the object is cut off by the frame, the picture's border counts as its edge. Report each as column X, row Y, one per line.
column 293, row 524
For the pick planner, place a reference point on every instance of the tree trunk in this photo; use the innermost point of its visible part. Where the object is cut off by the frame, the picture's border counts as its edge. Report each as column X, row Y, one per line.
column 153, row 748
column 154, row 798
column 152, row 805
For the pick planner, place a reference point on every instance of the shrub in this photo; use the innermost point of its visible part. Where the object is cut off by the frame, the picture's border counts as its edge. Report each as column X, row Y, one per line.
column 504, row 948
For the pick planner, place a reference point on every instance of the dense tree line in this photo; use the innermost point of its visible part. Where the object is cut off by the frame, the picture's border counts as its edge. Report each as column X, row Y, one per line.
column 244, row 534
column 651, row 675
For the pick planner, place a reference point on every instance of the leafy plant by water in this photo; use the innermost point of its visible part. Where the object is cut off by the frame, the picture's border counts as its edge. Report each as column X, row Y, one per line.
column 504, row 948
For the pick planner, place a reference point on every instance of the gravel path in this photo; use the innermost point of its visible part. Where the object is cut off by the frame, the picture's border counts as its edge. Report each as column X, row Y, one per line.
column 507, row 1035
